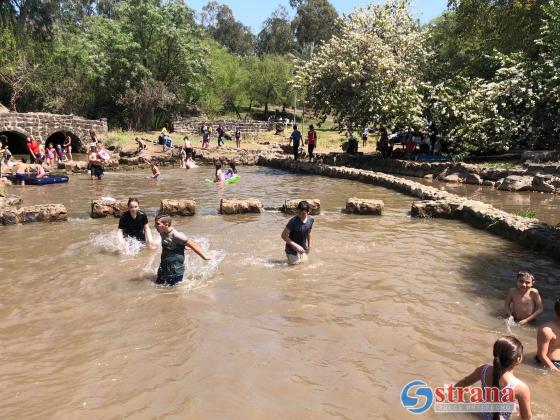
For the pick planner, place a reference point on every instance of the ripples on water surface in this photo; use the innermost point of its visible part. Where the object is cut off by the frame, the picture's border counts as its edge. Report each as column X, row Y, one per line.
column 383, row 301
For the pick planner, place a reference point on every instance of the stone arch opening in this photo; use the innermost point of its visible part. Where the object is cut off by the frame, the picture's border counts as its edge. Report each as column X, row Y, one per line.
column 59, row 137
column 16, row 142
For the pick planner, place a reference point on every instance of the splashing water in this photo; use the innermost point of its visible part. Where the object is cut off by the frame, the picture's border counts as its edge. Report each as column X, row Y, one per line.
column 197, row 271
column 109, row 242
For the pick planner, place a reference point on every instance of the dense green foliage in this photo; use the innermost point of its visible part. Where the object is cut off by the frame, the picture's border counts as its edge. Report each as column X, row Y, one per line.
column 483, row 76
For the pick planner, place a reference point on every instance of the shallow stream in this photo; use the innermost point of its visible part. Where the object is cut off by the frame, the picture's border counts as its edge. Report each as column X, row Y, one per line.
column 383, row 301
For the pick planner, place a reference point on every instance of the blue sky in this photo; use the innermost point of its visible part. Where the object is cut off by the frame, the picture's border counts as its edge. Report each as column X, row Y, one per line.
column 254, row 12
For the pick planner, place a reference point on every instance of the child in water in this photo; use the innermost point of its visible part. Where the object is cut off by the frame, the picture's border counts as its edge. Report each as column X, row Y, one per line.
column 231, row 172
column 60, row 153
column 523, row 302
column 219, row 175
column 51, row 154
column 548, row 342
column 155, row 171
column 190, row 162
column 41, row 173
column 173, row 245
column 508, row 353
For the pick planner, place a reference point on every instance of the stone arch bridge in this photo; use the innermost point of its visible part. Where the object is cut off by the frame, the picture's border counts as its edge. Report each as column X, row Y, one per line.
column 47, row 127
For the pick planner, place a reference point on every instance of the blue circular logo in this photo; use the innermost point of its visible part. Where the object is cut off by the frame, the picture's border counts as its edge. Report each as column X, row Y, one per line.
column 417, row 397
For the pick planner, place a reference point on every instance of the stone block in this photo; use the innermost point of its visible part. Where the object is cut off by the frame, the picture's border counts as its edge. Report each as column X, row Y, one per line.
column 108, row 207
column 363, row 206
column 10, row 200
column 290, row 206
column 543, row 184
column 180, row 207
column 31, row 214
column 515, row 183
column 251, row 205
column 431, row 208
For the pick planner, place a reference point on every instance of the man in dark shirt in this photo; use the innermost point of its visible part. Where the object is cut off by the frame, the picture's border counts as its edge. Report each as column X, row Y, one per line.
column 295, row 139
column 134, row 224
column 297, row 235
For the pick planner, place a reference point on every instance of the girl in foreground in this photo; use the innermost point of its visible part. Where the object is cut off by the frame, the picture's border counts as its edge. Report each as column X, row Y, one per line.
column 508, row 353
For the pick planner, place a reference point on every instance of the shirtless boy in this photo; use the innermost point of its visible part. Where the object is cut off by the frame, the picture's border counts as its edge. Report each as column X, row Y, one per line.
column 548, row 342
column 523, row 302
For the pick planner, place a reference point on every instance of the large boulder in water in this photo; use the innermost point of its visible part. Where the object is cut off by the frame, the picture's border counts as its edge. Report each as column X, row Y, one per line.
column 251, row 205
column 179, row 207
column 363, row 206
column 433, row 208
column 30, row 214
column 461, row 173
column 515, row 183
column 290, row 206
column 543, row 183
column 105, row 207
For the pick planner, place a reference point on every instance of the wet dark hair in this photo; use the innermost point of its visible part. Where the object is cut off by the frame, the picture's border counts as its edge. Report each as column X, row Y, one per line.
column 186, row 137
column 164, row 218
column 232, row 166
column 295, row 127
column 557, row 307
column 507, row 350
column 133, row 200
column 218, row 165
column 525, row 274
column 303, row 206
column 311, row 127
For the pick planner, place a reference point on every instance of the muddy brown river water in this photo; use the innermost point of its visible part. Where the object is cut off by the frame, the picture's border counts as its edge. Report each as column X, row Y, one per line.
column 383, row 301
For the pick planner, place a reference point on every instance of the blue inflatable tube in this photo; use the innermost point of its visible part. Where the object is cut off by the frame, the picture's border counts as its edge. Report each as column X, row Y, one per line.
column 29, row 180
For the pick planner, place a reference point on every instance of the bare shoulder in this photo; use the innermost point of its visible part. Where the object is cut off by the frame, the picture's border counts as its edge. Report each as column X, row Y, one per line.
column 535, row 293
column 522, row 389
column 546, row 331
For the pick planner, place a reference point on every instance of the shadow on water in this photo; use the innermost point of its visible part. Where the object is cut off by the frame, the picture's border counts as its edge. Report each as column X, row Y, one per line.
column 490, row 274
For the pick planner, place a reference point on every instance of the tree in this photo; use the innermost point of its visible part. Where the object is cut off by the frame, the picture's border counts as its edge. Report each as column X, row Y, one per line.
column 226, row 88
column 469, row 35
column 315, row 21
column 268, row 80
column 276, row 35
column 371, row 72
column 220, row 23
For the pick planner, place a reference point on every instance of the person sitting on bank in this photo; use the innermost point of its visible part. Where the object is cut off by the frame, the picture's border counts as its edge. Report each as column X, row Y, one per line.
column 297, row 235
column 352, row 143
column 134, row 224
column 548, row 342
column 140, row 146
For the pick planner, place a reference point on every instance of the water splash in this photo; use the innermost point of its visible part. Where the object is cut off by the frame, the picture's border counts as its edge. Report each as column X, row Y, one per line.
column 197, row 271
column 109, row 242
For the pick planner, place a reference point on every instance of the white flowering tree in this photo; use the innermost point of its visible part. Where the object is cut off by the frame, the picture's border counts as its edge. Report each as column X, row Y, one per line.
column 370, row 73
column 474, row 115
